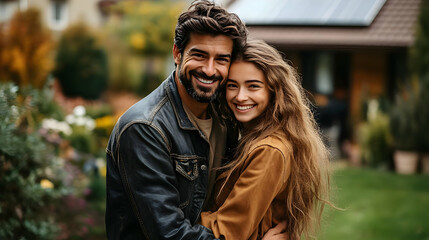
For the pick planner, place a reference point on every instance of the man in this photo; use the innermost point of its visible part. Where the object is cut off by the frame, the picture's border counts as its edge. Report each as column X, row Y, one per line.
column 162, row 149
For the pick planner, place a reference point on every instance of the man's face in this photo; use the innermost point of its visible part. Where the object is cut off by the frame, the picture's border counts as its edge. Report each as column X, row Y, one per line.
column 203, row 65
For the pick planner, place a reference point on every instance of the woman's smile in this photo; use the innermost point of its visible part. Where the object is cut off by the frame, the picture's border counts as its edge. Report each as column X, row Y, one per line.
column 247, row 92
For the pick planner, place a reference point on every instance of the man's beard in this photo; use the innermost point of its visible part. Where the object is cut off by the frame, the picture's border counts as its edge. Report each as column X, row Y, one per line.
column 200, row 97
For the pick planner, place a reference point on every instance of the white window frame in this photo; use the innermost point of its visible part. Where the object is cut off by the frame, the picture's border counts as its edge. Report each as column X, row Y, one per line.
column 61, row 23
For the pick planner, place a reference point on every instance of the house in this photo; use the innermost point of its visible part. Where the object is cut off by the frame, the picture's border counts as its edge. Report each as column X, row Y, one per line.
column 347, row 51
column 57, row 15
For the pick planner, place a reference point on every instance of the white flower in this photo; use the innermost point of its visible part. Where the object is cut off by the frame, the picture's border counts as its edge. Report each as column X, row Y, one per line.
column 70, row 119
column 79, row 110
column 58, row 126
column 90, row 123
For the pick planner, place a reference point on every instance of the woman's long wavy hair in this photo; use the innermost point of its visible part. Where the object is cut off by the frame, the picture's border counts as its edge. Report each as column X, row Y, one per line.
column 288, row 116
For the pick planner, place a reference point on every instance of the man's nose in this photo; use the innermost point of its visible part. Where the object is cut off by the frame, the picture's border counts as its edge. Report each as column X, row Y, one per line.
column 209, row 68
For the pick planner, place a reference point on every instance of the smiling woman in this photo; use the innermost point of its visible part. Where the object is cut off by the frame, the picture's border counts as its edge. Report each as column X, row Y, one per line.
column 247, row 91
column 278, row 171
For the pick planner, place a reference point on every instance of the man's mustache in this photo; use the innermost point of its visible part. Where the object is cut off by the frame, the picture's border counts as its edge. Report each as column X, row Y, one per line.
column 203, row 75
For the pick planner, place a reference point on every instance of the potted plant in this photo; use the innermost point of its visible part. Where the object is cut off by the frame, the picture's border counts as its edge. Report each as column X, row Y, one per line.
column 404, row 130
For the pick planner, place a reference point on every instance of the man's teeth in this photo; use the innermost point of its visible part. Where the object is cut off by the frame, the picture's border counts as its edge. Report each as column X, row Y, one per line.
column 245, row 107
column 205, row 81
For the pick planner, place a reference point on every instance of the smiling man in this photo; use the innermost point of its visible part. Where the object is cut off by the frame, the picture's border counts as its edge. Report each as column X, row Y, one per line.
column 161, row 151
column 201, row 66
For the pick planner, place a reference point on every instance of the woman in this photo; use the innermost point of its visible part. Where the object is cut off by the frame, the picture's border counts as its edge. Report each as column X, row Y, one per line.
column 278, row 170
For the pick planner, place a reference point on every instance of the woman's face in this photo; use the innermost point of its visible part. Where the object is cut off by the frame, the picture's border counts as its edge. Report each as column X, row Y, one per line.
column 247, row 91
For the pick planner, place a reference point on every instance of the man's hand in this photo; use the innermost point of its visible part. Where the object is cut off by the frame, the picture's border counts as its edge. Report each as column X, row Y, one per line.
column 277, row 233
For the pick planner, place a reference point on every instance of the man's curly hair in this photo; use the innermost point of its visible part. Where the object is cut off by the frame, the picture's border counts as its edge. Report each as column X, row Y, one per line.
column 204, row 17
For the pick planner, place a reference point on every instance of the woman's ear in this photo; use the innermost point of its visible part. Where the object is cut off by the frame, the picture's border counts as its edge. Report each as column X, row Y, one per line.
column 176, row 55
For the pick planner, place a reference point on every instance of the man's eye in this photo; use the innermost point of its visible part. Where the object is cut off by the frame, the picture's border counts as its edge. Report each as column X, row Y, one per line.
column 226, row 60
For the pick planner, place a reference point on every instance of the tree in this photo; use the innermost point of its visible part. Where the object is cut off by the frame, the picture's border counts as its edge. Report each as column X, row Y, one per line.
column 81, row 64
column 420, row 49
column 25, row 50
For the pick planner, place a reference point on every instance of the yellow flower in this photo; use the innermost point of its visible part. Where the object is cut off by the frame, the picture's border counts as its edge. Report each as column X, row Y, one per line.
column 105, row 122
column 137, row 41
column 45, row 183
column 103, row 171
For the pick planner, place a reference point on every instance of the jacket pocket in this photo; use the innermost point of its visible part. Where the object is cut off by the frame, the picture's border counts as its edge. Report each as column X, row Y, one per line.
column 187, row 166
column 187, row 171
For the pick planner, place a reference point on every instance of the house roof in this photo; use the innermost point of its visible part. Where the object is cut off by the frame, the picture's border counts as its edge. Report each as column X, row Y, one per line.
column 393, row 26
column 307, row 12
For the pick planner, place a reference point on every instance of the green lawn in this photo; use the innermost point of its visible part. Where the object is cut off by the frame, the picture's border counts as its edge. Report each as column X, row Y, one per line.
column 378, row 205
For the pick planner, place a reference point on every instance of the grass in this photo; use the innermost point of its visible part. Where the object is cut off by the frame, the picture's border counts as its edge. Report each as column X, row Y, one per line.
column 378, row 205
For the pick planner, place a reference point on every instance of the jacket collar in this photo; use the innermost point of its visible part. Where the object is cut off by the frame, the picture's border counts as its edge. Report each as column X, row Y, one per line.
column 173, row 94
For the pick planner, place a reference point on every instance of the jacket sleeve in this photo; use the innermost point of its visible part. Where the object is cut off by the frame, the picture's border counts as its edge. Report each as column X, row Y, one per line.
column 149, row 179
column 251, row 196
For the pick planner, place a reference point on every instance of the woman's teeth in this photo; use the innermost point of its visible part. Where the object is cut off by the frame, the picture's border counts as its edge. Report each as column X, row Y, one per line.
column 245, row 107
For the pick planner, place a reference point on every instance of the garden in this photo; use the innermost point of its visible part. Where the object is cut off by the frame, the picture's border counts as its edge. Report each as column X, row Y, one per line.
column 59, row 100
column 61, row 96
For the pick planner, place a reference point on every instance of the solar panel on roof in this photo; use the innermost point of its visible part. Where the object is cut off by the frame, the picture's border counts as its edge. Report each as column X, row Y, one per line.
column 307, row 12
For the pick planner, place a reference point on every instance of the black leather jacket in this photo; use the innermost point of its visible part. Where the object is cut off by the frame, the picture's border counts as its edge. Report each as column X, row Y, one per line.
column 157, row 171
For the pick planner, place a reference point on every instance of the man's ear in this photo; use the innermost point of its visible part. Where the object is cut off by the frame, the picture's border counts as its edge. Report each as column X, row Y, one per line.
column 176, row 54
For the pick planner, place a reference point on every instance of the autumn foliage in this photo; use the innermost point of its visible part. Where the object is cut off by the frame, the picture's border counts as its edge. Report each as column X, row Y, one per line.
column 25, row 50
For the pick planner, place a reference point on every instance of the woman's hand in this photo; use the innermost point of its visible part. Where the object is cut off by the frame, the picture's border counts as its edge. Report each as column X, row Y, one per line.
column 277, row 233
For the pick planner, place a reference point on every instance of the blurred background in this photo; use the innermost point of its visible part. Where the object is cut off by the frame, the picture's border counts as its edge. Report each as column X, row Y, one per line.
column 70, row 68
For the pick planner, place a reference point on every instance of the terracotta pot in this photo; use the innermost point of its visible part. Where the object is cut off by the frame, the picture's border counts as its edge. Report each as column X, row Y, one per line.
column 425, row 163
column 406, row 162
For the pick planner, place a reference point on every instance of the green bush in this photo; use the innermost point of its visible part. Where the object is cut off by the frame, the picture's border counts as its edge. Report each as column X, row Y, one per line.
column 29, row 171
column 419, row 61
column 81, row 65
column 403, row 120
column 423, row 115
column 82, row 140
column 375, row 141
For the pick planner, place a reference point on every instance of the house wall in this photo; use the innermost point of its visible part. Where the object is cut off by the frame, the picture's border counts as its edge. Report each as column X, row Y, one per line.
column 73, row 11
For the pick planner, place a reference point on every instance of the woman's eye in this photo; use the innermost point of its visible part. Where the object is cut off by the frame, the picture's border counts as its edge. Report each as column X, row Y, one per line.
column 230, row 86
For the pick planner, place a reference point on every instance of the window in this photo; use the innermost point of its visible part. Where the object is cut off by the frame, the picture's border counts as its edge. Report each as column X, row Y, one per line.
column 58, row 15
column 324, row 74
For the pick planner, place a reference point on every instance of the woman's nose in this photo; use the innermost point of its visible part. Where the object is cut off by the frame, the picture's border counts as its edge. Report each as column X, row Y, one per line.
column 241, row 95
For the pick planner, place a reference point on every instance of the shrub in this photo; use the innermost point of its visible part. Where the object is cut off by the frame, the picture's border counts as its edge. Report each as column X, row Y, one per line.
column 30, row 173
column 423, row 115
column 375, row 141
column 403, row 120
column 81, row 64
column 419, row 61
